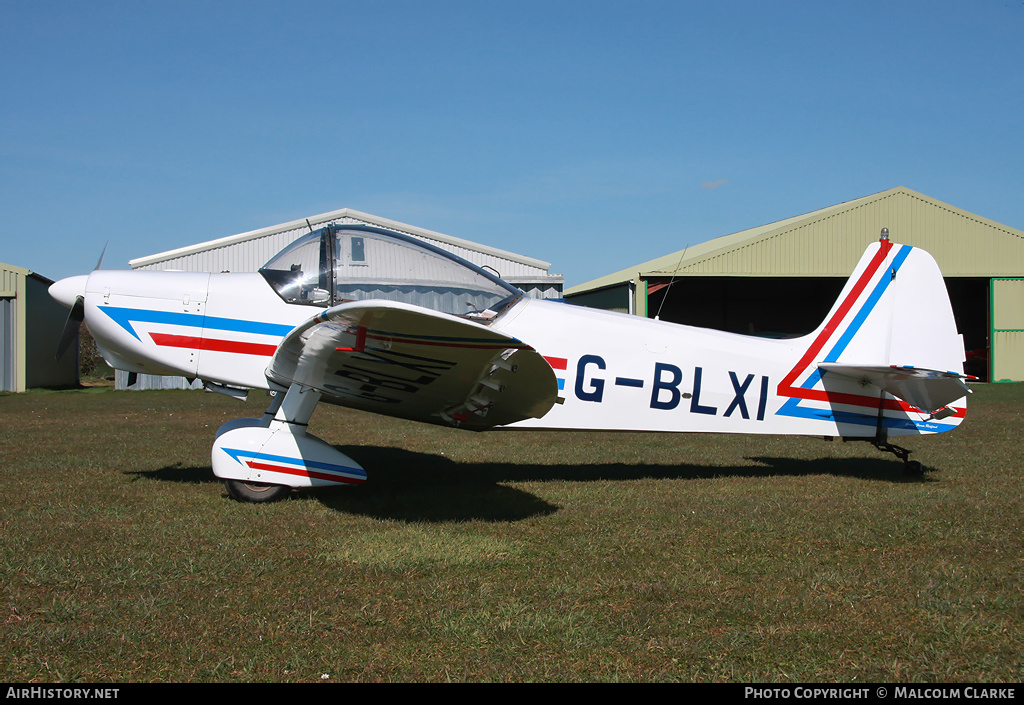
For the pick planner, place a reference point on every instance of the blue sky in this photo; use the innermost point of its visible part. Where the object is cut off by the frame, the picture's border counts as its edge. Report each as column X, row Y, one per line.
column 593, row 135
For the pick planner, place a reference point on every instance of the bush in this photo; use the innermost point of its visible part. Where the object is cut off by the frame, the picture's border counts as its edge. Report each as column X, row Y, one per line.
column 90, row 362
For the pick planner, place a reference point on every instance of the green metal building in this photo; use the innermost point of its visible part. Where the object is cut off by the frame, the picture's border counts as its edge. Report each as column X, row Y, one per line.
column 31, row 324
column 781, row 279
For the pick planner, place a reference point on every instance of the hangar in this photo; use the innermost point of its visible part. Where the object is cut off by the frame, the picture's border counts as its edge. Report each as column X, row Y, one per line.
column 247, row 252
column 31, row 325
column 781, row 279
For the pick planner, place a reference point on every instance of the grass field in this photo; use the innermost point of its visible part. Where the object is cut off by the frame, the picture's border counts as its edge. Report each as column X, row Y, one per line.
column 505, row 556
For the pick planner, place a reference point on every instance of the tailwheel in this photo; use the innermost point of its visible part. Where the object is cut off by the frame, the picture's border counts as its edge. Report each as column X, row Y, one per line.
column 911, row 468
column 257, row 492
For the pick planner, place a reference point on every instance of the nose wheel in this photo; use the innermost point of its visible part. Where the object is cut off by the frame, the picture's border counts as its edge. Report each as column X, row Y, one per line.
column 255, row 491
column 261, row 459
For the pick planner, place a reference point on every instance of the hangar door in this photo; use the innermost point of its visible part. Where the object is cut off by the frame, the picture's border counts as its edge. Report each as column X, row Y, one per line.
column 8, row 344
column 1007, row 345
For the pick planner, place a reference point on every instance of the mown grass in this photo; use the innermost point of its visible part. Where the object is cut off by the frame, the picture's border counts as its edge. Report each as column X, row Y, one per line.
column 504, row 556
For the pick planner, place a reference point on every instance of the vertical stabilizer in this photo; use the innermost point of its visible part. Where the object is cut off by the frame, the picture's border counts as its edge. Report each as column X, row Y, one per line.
column 888, row 357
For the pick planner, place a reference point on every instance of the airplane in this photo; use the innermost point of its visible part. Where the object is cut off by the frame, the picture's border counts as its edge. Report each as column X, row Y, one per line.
column 376, row 320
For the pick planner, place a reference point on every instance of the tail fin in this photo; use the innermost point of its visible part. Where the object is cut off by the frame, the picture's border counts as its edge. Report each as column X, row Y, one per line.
column 888, row 355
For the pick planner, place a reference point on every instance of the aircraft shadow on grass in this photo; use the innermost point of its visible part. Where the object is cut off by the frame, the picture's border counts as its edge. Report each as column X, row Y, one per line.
column 411, row 486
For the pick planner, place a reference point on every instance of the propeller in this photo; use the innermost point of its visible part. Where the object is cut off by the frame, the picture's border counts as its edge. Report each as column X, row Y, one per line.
column 99, row 262
column 71, row 326
column 62, row 291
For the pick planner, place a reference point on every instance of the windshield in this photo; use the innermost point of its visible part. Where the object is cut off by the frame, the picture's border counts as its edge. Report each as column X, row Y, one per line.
column 353, row 262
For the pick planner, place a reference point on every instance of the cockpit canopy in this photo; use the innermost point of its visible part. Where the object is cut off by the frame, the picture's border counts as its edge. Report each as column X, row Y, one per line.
column 342, row 263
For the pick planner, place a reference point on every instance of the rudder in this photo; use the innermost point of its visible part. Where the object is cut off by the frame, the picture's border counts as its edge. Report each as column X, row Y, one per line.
column 888, row 358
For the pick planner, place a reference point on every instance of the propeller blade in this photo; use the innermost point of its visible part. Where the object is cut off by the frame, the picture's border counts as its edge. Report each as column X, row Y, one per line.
column 98, row 263
column 71, row 326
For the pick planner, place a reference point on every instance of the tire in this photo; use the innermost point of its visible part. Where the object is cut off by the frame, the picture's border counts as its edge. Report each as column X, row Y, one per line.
column 256, row 492
column 913, row 468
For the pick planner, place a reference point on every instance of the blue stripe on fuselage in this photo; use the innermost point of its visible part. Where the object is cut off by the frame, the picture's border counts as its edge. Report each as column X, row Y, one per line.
column 124, row 317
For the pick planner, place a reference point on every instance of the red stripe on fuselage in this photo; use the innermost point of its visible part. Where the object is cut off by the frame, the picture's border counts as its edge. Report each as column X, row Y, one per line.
column 212, row 344
column 557, row 363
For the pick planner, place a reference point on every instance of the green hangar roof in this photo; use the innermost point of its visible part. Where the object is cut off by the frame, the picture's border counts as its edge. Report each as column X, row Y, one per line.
column 829, row 242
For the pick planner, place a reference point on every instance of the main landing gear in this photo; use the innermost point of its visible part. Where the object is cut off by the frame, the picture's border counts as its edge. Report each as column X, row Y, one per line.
column 260, row 460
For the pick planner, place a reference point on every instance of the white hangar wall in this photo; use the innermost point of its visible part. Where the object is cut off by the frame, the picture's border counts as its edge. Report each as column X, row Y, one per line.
column 247, row 252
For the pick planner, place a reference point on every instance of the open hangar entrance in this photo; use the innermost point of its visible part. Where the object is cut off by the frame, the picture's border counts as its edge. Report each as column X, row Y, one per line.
column 788, row 307
column 782, row 279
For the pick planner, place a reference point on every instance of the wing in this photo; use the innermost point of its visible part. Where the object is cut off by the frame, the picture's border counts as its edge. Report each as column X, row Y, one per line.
column 402, row 360
column 928, row 390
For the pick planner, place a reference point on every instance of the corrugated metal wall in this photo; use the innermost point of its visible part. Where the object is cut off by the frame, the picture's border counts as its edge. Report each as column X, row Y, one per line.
column 44, row 325
column 540, row 291
column 245, row 256
column 8, row 344
column 831, row 242
column 12, row 328
column 31, row 324
column 250, row 255
column 143, row 382
column 1007, row 341
column 9, row 280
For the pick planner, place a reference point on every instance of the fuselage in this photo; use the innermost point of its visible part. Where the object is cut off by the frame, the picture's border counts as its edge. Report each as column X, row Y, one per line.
column 221, row 328
column 621, row 372
column 615, row 371
column 384, row 322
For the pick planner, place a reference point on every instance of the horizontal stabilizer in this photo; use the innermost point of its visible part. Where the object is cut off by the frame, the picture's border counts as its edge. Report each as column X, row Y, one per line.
column 928, row 390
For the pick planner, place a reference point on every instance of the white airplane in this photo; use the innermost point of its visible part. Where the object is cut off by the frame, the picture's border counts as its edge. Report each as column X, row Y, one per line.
column 355, row 315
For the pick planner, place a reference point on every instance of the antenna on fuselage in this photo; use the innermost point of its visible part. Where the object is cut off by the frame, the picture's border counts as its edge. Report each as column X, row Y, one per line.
column 671, row 281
